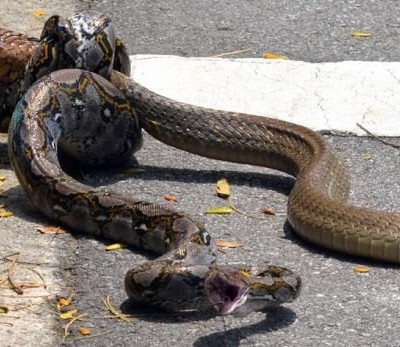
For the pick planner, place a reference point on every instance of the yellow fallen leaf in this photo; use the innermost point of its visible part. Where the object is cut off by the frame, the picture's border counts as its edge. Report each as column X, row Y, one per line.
column 62, row 302
column 270, row 55
column 223, row 190
column 84, row 331
column 219, row 210
column 367, row 157
column 69, row 314
column 361, row 34
column 171, row 198
column 40, row 12
column 2, row 178
column 361, row 269
column 50, row 230
column 228, row 244
column 3, row 309
column 5, row 214
column 115, row 246
column 246, row 272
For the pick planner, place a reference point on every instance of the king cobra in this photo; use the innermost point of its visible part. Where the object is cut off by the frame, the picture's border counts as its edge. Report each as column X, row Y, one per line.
column 96, row 117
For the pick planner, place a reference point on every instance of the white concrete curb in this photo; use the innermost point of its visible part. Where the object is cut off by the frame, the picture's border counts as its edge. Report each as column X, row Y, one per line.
column 323, row 96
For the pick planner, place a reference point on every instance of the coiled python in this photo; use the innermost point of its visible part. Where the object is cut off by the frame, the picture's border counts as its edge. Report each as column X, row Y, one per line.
column 89, row 116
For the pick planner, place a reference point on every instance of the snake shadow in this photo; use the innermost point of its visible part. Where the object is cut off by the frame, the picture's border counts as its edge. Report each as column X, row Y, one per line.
column 276, row 318
column 21, row 206
column 157, row 315
column 279, row 183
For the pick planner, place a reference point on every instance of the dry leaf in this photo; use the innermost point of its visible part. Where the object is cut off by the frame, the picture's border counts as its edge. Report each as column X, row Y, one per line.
column 62, row 302
column 5, row 214
column 228, row 244
column 3, row 309
column 267, row 211
column 40, row 12
column 361, row 269
column 2, row 178
column 69, row 314
column 50, row 230
column 367, row 157
column 269, row 55
column 223, row 190
column 361, row 34
column 171, row 198
column 84, row 331
column 115, row 246
column 246, row 272
column 219, row 210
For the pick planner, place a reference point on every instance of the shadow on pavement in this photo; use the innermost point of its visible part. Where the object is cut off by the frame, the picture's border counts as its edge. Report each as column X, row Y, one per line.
column 276, row 318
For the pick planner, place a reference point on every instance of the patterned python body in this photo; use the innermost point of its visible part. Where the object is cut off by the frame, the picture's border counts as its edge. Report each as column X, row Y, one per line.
column 91, row 119
column 15, row 51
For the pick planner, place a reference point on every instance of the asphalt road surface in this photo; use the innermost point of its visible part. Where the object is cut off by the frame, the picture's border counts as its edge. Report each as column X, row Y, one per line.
column 338, row 306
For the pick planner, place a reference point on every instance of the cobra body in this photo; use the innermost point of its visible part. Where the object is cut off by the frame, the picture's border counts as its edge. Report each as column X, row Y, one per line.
column 91, row 119
column 317, row 208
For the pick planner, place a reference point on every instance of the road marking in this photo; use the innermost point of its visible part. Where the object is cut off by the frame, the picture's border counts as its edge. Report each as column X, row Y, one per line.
column 323, row 96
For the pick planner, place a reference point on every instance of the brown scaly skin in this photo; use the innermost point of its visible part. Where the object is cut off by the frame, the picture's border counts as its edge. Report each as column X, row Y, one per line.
column 317, row 207
column 15, row 51
column 83, row 115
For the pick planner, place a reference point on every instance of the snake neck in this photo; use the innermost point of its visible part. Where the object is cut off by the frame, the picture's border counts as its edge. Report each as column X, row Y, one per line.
column 240, row 138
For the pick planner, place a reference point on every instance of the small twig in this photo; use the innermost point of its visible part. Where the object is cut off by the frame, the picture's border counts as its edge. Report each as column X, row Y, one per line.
column 229, row 53
column 37, row 272
column 46, row 296
column 120, row 315
column 7, row 323
column 67, row 326
column 31, row 284
column 21, row 261
column 233, row 207
column 112, row 317
column 11, row 270
column 377, row 137
column 88, row 336
column 10, row 255
column 28, row 306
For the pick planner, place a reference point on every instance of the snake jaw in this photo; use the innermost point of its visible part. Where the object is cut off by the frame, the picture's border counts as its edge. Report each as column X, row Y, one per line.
column 226, row 290
column 240, row 291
